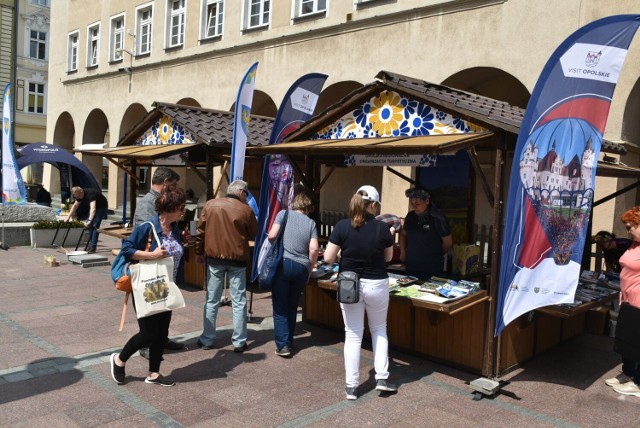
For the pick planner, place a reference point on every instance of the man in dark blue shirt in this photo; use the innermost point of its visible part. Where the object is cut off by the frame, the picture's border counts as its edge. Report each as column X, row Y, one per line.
column 425, row 237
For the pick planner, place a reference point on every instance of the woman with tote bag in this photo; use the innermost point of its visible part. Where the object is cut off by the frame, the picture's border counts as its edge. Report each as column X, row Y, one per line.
column 154, row 329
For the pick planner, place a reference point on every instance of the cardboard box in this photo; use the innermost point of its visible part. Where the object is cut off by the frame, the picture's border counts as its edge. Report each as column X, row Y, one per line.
column 51, row 261
column 466, row 258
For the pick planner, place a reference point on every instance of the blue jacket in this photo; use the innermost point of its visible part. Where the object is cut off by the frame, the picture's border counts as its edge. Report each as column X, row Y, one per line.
column 138, row 238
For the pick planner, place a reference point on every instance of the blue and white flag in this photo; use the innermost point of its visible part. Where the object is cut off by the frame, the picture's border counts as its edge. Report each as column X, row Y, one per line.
column 553, row 174
column 276, row 188
column 242, row 116
column 13, row 191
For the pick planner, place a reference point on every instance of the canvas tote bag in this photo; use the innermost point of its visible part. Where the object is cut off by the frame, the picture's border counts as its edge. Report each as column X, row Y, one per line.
column 153, row 288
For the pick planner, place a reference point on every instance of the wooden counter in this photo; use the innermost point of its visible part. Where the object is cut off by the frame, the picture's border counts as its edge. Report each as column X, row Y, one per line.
column 116, row 231
column 539, row 330
column 452, row 333
column 195, row 273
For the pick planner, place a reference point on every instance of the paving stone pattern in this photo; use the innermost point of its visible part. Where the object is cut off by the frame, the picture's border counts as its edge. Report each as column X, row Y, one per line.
column 59, row 325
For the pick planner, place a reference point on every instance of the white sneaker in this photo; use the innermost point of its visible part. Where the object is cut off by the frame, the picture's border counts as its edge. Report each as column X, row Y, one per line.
column 629, row 388
column 618, row 380
column 351, row 392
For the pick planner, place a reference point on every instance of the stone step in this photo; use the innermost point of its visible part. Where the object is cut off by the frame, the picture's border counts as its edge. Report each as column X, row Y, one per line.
column 95, row 264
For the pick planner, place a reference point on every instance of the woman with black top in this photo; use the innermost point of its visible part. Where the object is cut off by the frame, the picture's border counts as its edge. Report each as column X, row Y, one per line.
column 365, row 245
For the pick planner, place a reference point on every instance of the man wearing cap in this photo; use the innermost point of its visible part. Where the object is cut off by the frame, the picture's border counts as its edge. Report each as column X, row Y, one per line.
column 425, row 236
column 612, row 249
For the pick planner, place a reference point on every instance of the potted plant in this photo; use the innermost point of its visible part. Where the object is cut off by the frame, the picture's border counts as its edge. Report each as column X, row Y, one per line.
column 43, row 233
column 66, row 206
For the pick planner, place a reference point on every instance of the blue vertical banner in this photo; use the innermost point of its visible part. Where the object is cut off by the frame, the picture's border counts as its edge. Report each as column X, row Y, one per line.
column 554, row 167
column 241, row 117
column 276, row 188
column 13, row 190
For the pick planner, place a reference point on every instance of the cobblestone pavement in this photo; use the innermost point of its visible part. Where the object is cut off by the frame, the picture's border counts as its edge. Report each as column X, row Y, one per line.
column 59, row 325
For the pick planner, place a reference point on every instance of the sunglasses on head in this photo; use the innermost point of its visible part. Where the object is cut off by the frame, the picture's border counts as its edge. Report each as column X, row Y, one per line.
column 416, row 193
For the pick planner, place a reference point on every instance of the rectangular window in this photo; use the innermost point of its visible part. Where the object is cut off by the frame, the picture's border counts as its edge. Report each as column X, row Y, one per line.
column 36, row 98
column 117, row 38
column 72, row 52
column 310, row 7
column 212, row 13
column 257, row 13
column 40, row 2
column 37, row 45
column 144, row 27
column 93, row 45
column 176, row 18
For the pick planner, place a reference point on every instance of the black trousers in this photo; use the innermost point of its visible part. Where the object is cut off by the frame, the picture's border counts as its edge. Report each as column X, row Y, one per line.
column 154, row 331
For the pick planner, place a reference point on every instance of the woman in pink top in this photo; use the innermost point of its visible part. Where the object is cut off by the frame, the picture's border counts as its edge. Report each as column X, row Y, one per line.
column 627, row 382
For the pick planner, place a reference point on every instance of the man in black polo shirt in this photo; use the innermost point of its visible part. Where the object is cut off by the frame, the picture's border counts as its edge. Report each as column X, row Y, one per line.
column 97, row 204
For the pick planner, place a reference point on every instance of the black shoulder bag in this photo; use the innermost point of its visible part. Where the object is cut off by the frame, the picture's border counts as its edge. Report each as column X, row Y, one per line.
column 348, row 281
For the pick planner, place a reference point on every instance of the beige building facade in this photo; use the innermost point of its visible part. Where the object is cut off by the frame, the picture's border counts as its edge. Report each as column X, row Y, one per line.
column 24, row 54
column 110, row 60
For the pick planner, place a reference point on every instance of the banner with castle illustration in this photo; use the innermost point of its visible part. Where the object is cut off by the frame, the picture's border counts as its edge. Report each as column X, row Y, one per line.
column 553, row 174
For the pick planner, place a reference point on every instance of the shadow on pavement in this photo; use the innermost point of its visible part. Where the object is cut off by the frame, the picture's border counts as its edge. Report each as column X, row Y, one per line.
column 19, row 390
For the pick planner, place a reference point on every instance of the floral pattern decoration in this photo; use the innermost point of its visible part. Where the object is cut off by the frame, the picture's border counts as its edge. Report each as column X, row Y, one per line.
column 166, row 131
column 390, row 114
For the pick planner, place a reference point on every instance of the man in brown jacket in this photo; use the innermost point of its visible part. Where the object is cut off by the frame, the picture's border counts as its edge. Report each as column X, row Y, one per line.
column 225, row 227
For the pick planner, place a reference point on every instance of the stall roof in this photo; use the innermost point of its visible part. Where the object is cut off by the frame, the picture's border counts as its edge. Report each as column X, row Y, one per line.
column 433, row 144
column 483, row 111
column 209, row 127
column 150, row 152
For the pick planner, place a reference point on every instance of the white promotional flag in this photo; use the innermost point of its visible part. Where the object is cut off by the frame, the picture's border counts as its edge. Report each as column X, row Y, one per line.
column 242, row 115
column 13, row 191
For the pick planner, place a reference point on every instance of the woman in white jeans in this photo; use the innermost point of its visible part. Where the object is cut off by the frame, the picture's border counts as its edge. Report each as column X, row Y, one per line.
column 365, row 245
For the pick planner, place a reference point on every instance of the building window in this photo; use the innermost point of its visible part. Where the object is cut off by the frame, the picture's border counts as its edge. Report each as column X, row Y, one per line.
column 93, row 45
column 144, row 26
column 117, row 38
column 37, row 45
column 72, row 52
column 310, row 7
column 212, row 13
column 40, row 2
column 176, row 17
column 36, row 98
column 257, row 13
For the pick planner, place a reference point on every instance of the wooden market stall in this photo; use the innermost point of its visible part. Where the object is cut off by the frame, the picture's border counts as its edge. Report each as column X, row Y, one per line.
column 460, row 332
column 181, row 136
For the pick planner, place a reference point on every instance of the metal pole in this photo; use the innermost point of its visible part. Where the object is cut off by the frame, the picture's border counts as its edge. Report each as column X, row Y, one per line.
column 124, row 200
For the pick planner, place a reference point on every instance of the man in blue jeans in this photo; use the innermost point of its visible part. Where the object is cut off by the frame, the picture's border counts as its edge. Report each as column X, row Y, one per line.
column 225, row 227
column 98, row 206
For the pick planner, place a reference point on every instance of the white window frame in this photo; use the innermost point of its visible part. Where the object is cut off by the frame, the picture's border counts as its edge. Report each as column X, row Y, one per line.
column 36, row 96
column 315, row 8
column 73, row 48
column 38, row 42
column 206, row 19
column 262, row 22
column 117, row 36
column 44, row 3
column 93, row 45
column 143, row 47
column 175, row 22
